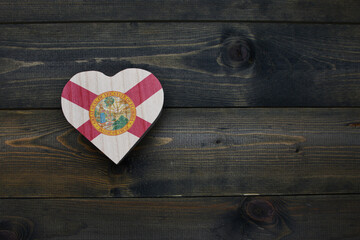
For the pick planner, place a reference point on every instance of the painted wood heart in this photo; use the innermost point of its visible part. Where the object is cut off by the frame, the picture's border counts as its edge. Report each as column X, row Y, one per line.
column 113, row 112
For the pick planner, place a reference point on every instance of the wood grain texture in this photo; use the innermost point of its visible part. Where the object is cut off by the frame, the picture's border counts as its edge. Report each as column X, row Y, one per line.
column 241, row 10
column 198, row 64
column 54, row 184
column 189, row 152
column 265, row 218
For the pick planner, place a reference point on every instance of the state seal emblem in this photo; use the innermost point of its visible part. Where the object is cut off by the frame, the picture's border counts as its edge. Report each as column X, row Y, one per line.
column 112, row 113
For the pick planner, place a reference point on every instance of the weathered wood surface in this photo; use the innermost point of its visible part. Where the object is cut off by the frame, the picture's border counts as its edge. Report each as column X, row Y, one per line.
column 198, row 64
column 206, row 54
column 145, row 10
column 265, row 218
column 189, row 152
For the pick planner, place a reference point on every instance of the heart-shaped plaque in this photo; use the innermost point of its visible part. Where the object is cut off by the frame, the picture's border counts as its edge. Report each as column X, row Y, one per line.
column 113, row 112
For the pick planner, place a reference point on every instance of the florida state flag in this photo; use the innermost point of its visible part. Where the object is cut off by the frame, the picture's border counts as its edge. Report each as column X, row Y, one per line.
column 113, row 112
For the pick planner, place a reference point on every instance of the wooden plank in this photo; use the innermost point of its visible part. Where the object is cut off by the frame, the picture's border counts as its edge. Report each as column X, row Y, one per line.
column 241, row 10
column 309, row 217
column 189, row 152
column 198, row 64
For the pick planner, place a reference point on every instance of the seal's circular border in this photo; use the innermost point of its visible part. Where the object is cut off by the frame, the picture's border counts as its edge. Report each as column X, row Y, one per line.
column 109, row 94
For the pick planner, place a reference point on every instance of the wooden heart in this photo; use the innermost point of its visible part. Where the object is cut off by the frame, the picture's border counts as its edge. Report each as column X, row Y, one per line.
column 113, row 112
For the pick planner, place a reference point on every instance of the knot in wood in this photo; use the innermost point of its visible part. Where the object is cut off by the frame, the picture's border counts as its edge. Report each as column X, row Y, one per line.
column 237, row 52
column 15, row 228
column 260, row 211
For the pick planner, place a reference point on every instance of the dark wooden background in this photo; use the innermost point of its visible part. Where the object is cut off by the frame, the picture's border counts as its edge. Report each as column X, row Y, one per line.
column 260, row 137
